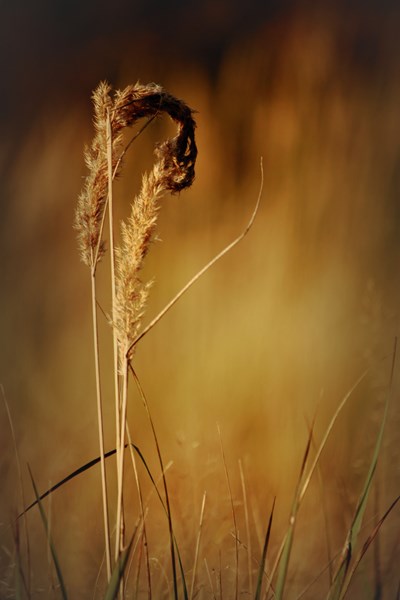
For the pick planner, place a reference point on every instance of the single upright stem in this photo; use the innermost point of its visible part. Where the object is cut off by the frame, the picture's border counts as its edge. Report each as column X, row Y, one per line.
column 246, row 516
column 196, row 554
column 119, row 525
column 113, row 300
column 100, row 426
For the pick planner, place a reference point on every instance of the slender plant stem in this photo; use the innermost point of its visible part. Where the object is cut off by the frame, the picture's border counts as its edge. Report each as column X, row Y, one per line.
column 129, row 144
column 209, row 579
column 163, row 471
column 142, row 511
column 233, row 517
column 196, row 555
column 208, row 266
column 246, row 515
column 115, row 339
column 100, row 427
column 121, row 454
column 95, row 258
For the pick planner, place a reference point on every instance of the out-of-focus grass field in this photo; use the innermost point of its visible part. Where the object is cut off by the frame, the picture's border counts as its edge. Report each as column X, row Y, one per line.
column 277, row 332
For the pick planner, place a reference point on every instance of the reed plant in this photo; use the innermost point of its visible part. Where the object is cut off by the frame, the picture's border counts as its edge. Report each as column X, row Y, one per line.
column 173, row 171
column 260, row 575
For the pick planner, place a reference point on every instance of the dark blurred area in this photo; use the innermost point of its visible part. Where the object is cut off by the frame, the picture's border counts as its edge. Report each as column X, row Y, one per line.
column 277, row 332
column 53, row 52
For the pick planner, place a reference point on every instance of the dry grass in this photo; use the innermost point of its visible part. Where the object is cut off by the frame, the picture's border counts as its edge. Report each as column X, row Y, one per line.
column 283, row 325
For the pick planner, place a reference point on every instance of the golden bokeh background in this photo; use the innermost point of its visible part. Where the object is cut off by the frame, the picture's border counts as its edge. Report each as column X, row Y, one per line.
column 275, row 333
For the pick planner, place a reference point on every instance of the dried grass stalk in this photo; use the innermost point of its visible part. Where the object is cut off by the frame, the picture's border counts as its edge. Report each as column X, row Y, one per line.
column 172, row 172
column 176, row 157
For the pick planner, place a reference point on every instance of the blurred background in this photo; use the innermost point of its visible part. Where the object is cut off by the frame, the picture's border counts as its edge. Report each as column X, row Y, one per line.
column 275, row 334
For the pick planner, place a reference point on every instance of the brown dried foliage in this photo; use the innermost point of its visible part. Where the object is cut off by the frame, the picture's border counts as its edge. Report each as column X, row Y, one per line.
column 176, row 157
column 173, row 171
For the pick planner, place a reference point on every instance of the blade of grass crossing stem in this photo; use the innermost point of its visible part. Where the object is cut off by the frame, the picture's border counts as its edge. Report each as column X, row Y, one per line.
column 366, row 545
column 264, row 554
column 173, row 544
column 91, row 464
column 287, row 547
column 81, row 470
column 50, row 541
column 144, row 541
column 118, row 572
column 336, row 590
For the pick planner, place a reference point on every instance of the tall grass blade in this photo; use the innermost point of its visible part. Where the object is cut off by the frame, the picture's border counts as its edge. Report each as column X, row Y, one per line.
column 142, row 512
column 118, row 572
column 288, row 543
column 264, row 554
column 173, row 543
column 328, row 431
column 50, row 541
column 304, row 487
column 86, row 467
column 336, row 591
column 247, row 524
column 308, row 587
column 196, row 554
column 66, row 479
column 366, row 545
column 210, row 579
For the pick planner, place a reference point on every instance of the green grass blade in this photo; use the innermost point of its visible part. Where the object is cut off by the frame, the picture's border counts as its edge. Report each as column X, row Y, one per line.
column 336, row 591
column 50, row 541
column 367, row 544
column 118, row 572
column 288, row 542
column 264, row 554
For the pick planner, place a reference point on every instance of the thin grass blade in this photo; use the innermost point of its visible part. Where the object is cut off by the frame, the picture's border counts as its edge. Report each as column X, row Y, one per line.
column 336, row 591
column 173, row 543
column 366, row 545
column 196, row 554
column 65, row 480
column 118, row 572
column 287, row 548
column 50, row 541
column 264, row 554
